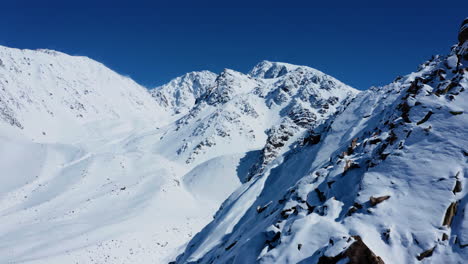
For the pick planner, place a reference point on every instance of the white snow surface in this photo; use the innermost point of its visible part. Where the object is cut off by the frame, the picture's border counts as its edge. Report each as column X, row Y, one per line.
column 407, row 140
column 180, row 94
column 97, row 169
column 275, row 166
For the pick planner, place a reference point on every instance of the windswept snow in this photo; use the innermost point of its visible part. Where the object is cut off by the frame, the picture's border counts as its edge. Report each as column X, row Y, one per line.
column 180, row 94
column 284, row 164
column 99, row 170
column 386, row 174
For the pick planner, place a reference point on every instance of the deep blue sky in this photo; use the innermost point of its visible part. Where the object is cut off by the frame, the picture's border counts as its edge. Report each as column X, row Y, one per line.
column 154, row 41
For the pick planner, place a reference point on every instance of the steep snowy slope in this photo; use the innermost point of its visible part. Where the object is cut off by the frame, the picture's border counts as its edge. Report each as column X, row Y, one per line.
column 381, row 181
column 96, row 169
column 72, row 181
column 51, row 95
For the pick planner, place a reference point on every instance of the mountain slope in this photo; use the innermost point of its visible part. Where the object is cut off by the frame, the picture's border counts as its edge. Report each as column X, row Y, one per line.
column 116, row 174
column 51, row 95
column 381, row 181
column 180, row 94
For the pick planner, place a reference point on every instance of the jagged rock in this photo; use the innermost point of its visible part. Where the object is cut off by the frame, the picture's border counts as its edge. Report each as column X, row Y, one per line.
column 311, row 139
column 352, row 146
column 447, row 88
column 354, row 208
column 444, row 237
column 450, row 213
column 426, row 254
column 349, row 165
column 425, row 118
column 320, row 195
column 357, row 253
column 458, row 187
column 405, row 108
column 351, row 211
column 302, row 116
column 376, row 200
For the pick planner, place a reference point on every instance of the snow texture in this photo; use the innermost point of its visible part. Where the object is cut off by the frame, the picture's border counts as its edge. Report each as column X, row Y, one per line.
column 386, row 172
column 284, row 164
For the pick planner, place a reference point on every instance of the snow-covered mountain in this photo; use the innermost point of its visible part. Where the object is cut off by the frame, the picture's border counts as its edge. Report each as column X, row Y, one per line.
column 119, row 174
column 51, row 95
column 381, row 180
column 284, row 164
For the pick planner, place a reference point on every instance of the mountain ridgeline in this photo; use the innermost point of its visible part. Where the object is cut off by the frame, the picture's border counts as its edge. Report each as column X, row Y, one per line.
column 284, row 164
column 380, row 180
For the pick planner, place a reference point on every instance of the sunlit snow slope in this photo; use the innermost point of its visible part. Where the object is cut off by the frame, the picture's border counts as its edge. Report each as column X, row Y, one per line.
column 383, row 180
column 96, row 169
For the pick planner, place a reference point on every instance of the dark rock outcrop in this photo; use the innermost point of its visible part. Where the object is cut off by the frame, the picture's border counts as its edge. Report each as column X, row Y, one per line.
column 357, row 253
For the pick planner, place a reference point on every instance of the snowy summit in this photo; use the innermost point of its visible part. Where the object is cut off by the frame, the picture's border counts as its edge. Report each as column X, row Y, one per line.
column 283, row 164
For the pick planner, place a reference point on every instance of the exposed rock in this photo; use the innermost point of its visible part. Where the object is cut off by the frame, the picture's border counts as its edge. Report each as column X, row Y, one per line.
column 405, row 108
column 354, row 208
column 231, row 245
column 458, row 187
column 352, row 146
column 444, row 237
column 426, row 254
column 320, row 195
column 376, row 200
column 450, row 213
column 357, row 253
column 425, row 118
column 350, row 165
column 447, row 88
column 302, row 116
column 311, row 139
column 456, row 112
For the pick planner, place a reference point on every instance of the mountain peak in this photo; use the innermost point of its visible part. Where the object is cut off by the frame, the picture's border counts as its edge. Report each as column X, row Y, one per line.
column 268, row 69
column 181, row 93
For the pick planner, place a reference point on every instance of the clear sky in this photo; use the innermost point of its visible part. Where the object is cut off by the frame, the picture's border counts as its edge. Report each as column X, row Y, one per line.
column 362, row 44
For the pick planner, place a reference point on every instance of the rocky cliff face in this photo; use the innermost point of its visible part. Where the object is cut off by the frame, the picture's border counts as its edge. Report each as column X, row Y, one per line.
column 240, row 113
